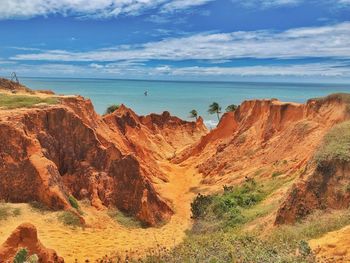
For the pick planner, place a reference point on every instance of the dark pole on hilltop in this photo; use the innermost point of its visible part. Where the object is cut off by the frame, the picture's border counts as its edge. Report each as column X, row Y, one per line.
column 14, row 77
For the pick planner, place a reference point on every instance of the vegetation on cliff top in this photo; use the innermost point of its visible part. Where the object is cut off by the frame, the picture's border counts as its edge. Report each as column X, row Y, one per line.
column 112, row 108
column 23, row 101
column 231, row 107
column 336, row 144
column 336, row 97
column 215, row 108
column 193, row 114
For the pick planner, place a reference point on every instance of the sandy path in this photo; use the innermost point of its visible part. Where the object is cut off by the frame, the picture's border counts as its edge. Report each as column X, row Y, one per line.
column 106, row 236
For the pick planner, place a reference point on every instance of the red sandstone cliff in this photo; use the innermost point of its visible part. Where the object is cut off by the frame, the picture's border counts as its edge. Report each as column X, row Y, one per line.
column 323, row 187
column 49, row 153
column 266, row 137
column 26, row 236
column 261, row 134
column 52, row 152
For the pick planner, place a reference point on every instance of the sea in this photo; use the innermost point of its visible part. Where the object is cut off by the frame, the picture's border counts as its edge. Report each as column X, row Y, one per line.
column 180, row 97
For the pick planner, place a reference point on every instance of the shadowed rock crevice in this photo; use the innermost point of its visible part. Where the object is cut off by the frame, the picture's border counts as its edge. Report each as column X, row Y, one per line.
column 68, row 149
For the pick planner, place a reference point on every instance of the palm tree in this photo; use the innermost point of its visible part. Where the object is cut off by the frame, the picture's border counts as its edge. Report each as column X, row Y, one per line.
column 231, row 107
column 194, row 114
column 112, row 108
column 215, row 108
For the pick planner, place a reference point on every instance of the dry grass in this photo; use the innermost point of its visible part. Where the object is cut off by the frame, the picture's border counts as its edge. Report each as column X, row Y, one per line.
column 336, row 145
column 6, row 211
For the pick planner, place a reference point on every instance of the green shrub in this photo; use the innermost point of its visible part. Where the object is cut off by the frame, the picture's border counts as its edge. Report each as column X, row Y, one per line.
column 224, row 210
column 73, row 202
column 200, row 205
column 21, row 256
column 69, row 219
column 112, row 108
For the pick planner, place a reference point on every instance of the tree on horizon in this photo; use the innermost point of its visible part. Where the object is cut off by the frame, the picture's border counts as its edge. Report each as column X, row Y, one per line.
column 194, row 114
column 112, row 108
column 215, row 108
column 231, row 107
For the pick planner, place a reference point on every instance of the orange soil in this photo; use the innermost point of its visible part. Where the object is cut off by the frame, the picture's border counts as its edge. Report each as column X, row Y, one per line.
column 104, row 236
column 333, row 247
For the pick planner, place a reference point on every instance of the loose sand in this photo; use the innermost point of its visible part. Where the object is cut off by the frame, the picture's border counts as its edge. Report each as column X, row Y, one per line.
column 105, row 236
column 333, row 246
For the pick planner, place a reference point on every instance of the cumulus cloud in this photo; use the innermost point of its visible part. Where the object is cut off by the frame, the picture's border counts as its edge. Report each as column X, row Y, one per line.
column 310, row 42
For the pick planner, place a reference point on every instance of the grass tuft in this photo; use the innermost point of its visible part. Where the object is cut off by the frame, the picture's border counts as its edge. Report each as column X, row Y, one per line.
column 69, row 219
column 38, row 207
column 123, row 219
column 23, row 101
column 6, row 211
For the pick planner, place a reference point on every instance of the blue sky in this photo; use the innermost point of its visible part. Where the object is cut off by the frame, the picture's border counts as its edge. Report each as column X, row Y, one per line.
column 177, row 39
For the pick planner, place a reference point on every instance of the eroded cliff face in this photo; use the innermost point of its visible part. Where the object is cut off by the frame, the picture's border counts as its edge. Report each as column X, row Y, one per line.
column 26, row 236
column 323, row 187
column 264, row 139
column 154, row 136
column 263, row 136
column 52, row 152
column 325, row 183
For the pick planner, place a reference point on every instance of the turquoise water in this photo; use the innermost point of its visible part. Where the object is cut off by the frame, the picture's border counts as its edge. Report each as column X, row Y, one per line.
column 180, row 97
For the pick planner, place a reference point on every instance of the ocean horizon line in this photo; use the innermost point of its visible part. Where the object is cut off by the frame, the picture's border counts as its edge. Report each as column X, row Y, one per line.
column 342, row 83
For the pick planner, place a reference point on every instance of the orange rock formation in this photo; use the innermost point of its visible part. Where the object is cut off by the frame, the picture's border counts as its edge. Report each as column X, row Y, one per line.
column 49, row 153
column 26, row 236
column 68, row 149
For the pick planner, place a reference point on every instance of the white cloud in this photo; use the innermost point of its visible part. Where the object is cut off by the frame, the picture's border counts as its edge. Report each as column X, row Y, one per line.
column 268, row 3
column 138, row 70
column 89, row 8
column 279, row 3
column 176, row 5
column 100, row 9
column 93, row 8
column 327, row 41
column 310, row 69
